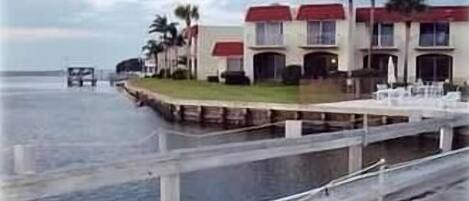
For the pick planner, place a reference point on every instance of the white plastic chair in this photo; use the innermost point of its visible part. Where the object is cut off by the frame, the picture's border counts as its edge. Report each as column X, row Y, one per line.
column 451, row 99
column 382, row 92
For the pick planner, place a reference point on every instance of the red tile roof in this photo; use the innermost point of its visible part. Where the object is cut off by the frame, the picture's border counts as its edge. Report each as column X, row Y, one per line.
column 268, row 13
column 321, row 12
column 224, row 49
column 440, row 13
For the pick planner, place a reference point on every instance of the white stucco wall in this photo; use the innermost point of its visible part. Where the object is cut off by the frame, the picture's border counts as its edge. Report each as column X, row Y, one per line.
column 458, row 40
column 295, row 38
column 207, row 64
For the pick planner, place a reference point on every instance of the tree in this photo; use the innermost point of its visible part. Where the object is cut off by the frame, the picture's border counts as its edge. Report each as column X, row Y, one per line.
column 408, row 9
column 188, row 13
column 164, row 27
column 175, row 40
column 153, row 47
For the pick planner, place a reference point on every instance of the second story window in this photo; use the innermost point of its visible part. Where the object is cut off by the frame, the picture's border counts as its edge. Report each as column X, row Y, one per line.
column 434, row 34
column 321, row 33
column 383, row 35
column 269, row 33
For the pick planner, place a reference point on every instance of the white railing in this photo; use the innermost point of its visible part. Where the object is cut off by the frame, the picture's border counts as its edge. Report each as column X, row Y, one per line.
column 435, row 41
column 322, row 39
column 168, row 164
column 270, row 39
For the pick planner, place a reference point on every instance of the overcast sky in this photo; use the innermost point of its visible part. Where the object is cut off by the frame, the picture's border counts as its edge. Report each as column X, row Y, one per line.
column 44, row 34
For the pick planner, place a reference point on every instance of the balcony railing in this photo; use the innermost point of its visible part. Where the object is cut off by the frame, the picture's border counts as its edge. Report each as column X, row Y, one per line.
column 326, row 39
column 314, row 41
column 269, row 40
column 435, row 42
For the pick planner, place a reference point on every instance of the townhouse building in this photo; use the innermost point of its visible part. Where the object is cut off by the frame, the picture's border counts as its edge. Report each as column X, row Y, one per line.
column 328, row 38
column 203, row 40
column 149, row 66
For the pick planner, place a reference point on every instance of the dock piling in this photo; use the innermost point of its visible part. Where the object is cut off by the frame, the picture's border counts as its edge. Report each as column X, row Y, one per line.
column 355, row 158
column 163, row 141
column 446, row 138
column 24, row 160
column 293, row 129
column 170, row 188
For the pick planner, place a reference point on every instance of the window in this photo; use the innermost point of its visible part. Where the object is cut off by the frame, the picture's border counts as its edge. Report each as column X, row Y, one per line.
column 234, row 64
column 383, row 35
column 434, row 34
column 269, row 33
column 321, row 33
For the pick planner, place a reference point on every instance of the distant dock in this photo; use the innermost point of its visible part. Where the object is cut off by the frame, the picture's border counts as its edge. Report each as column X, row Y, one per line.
column 78, row 76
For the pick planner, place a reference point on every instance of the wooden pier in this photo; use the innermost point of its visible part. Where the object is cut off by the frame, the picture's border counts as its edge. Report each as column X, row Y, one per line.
column 78, row 76
column 168, row 165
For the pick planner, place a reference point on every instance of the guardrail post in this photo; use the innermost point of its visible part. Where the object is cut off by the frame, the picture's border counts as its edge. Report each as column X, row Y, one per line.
column 365, row 122
column 24, row 160
column 293, row 129
column 446, row 138
column 163, row 141
column 169, row 184
column 170, row 188
column 355, row 158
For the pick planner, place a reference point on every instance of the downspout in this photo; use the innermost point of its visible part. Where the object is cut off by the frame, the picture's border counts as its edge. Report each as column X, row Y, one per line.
column 351, row 45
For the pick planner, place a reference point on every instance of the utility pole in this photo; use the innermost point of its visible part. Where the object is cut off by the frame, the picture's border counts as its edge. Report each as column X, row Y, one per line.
column 372, row 30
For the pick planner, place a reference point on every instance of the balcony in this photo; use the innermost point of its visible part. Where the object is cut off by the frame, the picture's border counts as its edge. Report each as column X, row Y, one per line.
column 384, row 43
column 267, row 41
column 435, row 42
column 327, row 41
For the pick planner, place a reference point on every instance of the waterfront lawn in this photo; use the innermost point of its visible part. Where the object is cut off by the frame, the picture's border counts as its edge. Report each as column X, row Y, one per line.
column 267, row 92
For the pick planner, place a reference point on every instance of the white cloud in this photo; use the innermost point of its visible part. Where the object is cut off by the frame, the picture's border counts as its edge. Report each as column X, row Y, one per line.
column 213, row 12
column 44, row 33
column 106, row 4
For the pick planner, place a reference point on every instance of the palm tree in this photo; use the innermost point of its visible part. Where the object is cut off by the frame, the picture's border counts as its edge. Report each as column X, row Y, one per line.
column 153, row 48
column 372, row 30
column 164, row 27
column 174, row 41
column 188, row 13
column 407, row 8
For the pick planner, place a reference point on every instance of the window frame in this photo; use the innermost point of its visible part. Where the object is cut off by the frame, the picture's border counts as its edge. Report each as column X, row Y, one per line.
column 378, row 34
column 269, row 37
column 435, row 32
column 237, row 59
column 319, row 37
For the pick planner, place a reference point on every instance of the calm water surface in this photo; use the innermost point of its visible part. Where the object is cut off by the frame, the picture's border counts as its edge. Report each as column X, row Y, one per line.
column 76, row 126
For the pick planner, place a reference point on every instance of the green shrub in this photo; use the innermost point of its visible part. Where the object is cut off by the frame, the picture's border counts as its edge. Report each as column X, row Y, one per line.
column 179, row 74
column 291, row 75
column 163, row 73
column 213, row 78
column 235, row 78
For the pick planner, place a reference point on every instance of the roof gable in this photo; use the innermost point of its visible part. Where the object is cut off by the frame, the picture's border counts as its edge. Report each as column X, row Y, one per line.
column 436, row 13
column 269, row 13
column 321, row 12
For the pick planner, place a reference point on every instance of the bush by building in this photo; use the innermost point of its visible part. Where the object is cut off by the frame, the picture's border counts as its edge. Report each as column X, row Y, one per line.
column 291, row 75
column 212, row 79
column 179, row 74
column 235, row 78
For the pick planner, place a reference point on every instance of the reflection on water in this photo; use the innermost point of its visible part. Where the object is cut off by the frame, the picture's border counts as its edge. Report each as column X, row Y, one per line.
column 84, row 125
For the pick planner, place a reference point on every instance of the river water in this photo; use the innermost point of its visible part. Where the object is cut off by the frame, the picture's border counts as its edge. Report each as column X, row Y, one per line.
column 76, row 126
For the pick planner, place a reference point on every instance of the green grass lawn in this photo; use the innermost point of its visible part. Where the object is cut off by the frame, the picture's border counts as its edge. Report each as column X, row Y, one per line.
column 268, row 92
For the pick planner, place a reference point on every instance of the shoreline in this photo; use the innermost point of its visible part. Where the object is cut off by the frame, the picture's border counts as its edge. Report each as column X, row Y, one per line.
column 235, row 113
